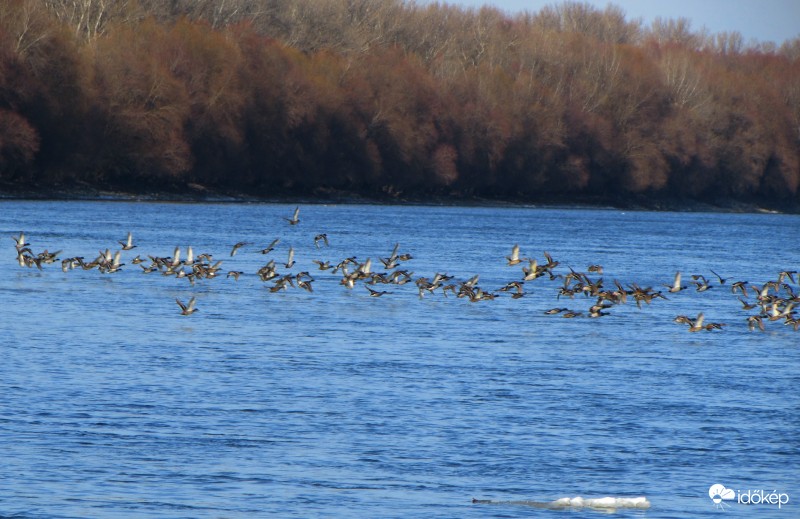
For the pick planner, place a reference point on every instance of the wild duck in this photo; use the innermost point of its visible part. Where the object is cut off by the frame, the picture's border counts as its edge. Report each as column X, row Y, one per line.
column 719, row 278
column 321, row 238
column 375, row 293
column 676, row 284
column 127, row 244
column 271, row 247
column 20, row 241
column 295, row 219
column 755, row 321
column 187, row 309
column 697, row 324
column 513, row 259
column 236, row 247
column 290, row 261
column 323, row 265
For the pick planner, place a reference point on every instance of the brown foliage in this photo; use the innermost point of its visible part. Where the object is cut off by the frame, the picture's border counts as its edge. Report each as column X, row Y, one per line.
column 392, row 97
column 43, row 81
column 142, row 106
column 19, row 143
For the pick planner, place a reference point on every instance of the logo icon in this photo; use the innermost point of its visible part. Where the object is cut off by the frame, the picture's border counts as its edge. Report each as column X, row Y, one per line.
column 719, row 494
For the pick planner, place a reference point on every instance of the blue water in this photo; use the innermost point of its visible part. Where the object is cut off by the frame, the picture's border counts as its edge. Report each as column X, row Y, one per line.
column 338, row 404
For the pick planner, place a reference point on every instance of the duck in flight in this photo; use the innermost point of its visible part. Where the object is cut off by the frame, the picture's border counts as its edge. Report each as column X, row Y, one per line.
column 269, row 248
column 321, row 238
column 290, row 262
column 127, row 244
column 676, row 284
column 294, row 220
column 514, row 258
column 375, row 293
column 237, row 247
column 701, row 283
column 187, row 309
column 721, row 279
column 755, row 321
column 20, row 241
column 697, row 324
column 323, row 265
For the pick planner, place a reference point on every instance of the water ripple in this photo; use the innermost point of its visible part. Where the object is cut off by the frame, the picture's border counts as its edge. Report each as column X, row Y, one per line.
column 338, row 404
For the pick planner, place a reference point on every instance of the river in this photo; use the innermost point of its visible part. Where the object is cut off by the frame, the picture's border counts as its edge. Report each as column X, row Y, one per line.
column 338, row 402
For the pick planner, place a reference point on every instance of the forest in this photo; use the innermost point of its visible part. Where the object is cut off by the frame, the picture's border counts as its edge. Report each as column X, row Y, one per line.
column 392, row 99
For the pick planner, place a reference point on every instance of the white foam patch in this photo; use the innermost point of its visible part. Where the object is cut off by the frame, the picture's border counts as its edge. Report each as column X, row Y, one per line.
column 602, row 502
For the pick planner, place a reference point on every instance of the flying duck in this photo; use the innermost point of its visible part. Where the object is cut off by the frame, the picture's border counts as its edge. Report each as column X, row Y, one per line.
column 294, row 220
column 127, row 244
column 187, row 309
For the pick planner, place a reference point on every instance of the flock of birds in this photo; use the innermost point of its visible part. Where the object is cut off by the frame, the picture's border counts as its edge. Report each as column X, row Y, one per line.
column 773, row 301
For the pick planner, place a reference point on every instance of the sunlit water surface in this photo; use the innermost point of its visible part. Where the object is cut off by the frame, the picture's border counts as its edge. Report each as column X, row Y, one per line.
column 334, row 403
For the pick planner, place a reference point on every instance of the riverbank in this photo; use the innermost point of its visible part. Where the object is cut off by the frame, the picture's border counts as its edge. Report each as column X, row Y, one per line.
column 198, row 193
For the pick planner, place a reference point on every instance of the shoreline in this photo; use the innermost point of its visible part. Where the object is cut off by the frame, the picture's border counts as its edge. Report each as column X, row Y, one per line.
column 200, row 194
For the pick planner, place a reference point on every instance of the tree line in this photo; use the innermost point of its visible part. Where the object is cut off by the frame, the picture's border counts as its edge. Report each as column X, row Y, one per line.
column 391, row 98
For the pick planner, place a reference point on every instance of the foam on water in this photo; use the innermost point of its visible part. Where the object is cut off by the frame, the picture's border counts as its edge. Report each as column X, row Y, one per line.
column 602, row 503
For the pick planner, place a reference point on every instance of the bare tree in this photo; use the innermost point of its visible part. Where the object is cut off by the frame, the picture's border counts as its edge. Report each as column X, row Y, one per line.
column 609, row 25
column 676, row 31
column 28, row 26
column 727, row 43
column 683, row 79
column 791, row 49
column 87, row 17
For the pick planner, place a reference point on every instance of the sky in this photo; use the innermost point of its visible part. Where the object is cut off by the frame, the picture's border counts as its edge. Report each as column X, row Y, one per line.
column 762, row 20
